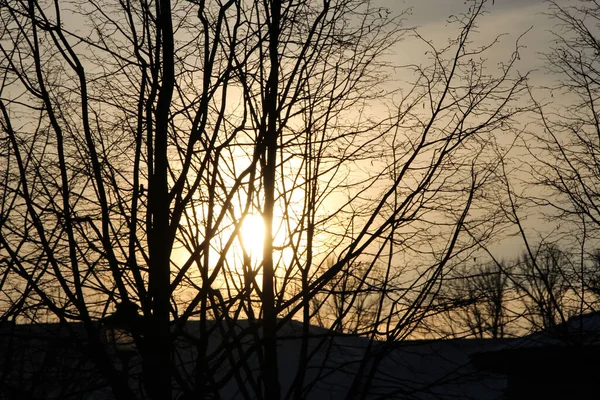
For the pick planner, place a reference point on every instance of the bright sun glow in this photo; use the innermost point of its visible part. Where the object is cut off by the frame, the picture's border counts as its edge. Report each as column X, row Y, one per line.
column 253, row 230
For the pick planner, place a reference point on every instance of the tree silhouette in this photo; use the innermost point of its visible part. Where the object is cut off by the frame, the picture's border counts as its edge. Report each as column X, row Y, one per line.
column 137, row 136
column 562, row 148
column 477, row 300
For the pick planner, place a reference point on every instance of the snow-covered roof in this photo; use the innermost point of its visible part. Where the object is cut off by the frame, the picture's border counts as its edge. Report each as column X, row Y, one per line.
column 409, row 370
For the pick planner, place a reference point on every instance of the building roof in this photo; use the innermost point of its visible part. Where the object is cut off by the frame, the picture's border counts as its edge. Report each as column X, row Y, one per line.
column 44, row 362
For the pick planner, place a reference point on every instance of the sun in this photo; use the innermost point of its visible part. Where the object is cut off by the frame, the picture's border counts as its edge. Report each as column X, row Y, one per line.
column 253, row 230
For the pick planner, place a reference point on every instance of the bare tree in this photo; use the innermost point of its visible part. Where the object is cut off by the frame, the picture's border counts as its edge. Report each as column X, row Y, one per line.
column 478, row 300
column 567, row 140
column 541, row 277
column 349, row 303
column 563, row 149
column 139, row 136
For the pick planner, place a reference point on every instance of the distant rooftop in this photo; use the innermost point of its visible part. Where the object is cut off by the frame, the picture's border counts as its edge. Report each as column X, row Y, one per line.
column 43, row 362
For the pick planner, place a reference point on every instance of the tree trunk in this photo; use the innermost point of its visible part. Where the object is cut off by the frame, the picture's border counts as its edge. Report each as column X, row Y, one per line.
column 270, row 366
column 157, row 350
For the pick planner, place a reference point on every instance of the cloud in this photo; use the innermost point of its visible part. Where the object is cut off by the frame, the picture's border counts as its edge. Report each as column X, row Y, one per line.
column 510, row 18
column 437, row 11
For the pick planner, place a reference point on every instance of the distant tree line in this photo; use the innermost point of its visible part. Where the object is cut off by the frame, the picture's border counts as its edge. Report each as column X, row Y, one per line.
column 532, row 292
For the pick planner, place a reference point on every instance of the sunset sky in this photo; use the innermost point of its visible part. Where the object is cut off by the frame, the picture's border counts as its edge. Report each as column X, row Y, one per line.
column 510, row 18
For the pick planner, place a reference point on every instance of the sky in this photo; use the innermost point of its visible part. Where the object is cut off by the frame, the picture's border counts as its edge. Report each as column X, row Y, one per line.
column 510, row 18
column 436, row 11
column 431, row 12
